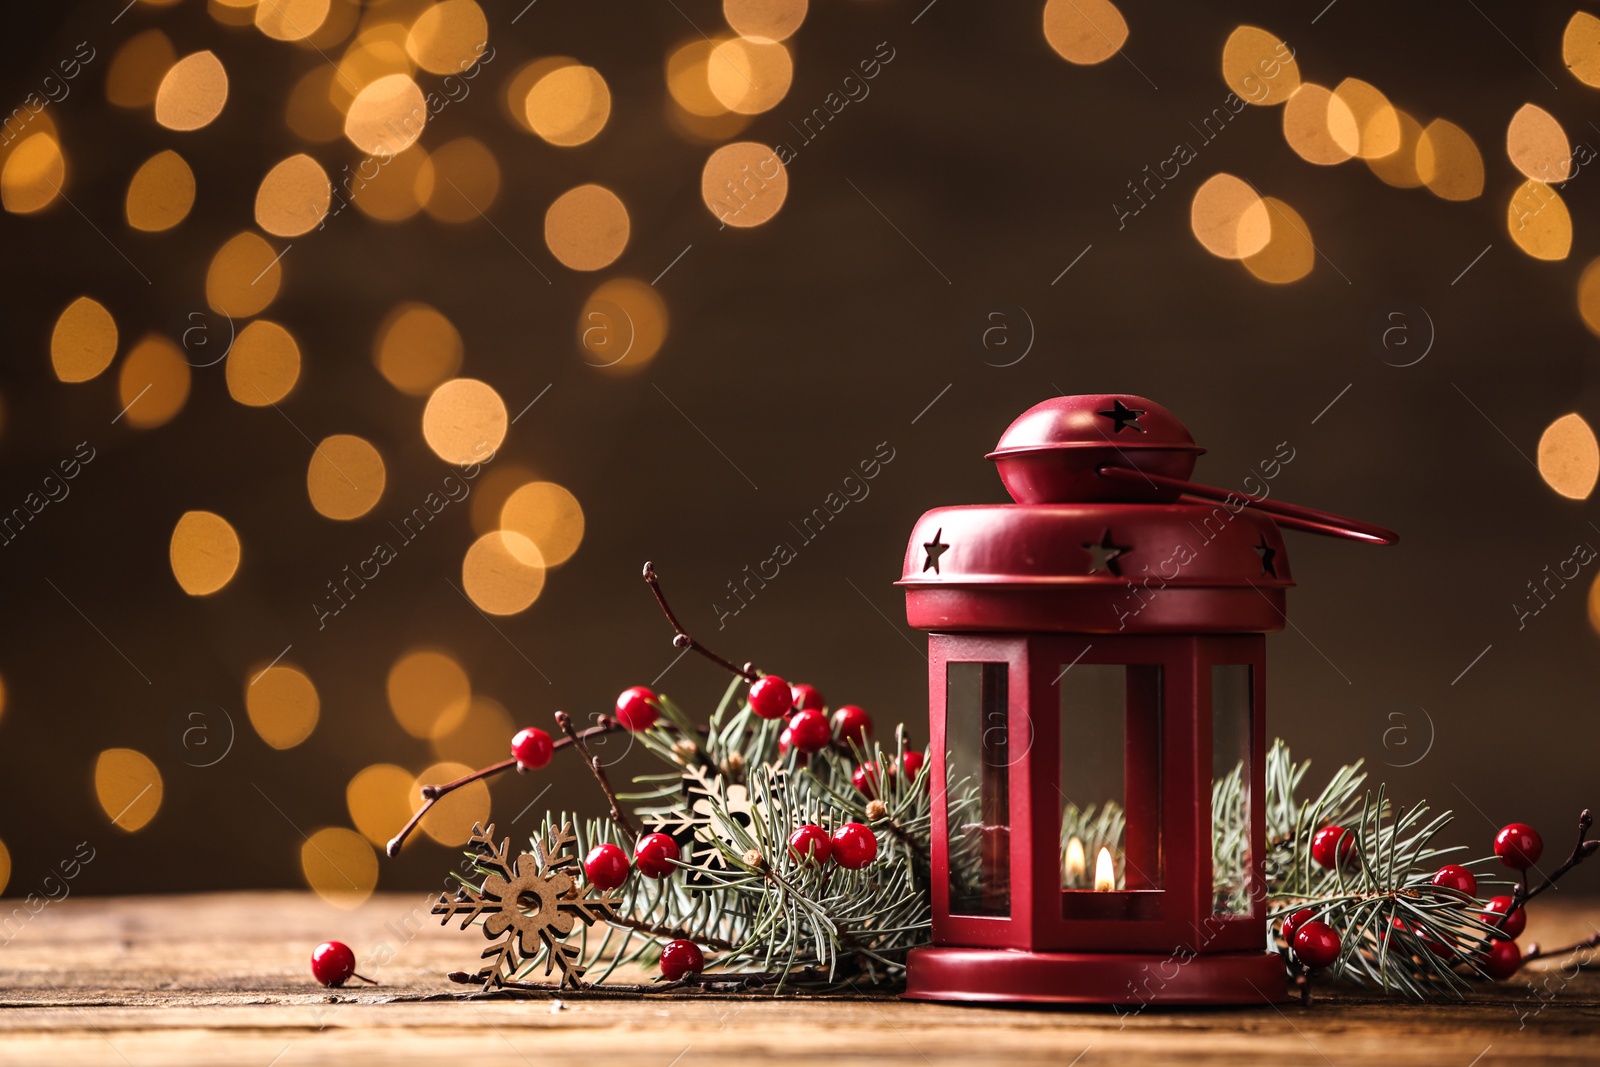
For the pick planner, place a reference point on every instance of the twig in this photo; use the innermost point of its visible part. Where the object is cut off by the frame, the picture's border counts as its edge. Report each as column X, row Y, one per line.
column 681, row 638
column 673, row 933
column 1535, row 952
column 725, row 982
column 432, row 794
column 1580, row 852
column 619, row 817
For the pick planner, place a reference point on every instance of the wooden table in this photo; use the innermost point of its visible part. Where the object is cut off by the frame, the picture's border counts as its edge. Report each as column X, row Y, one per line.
column 223, row 978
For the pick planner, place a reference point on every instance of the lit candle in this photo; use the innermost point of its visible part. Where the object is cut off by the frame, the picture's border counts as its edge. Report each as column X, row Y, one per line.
column 1074, row 865
column 1105, row 875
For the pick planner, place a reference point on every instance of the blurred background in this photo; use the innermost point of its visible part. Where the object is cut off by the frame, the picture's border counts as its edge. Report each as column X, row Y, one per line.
column 357, row 355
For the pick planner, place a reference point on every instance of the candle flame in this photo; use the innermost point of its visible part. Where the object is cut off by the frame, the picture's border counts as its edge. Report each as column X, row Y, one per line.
column 1075, row 864
column 1105, row 875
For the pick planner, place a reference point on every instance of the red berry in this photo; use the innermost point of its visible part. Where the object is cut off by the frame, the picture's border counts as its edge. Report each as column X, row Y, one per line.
column 769, row 697
column 532, row 748
column 810, row 840
column 606, row 866
column 638, row 708
column 806, row 697
column 865, row 779
column 1512, row 925
column 912, row 762
column 854, row 845
column 679, row 958
column 654, row 855
column 1454, row 876
column 1518, row 845
column 1503, row 960
column 1316, row 943
column 1294, row 921
column 852, row 724
column 332, row 963
column 1329, row 838
column 809, row 730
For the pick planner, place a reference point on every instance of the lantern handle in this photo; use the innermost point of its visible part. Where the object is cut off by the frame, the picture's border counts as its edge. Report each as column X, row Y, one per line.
column 1291, row 515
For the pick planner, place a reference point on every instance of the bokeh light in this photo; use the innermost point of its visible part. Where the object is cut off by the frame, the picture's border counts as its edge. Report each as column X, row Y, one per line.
column 1399, row 168
column 204, row 552
column 687, row 81
column 34, row 172
column 387, row 116
column 128, row 786
column 587, row 227
column 282, row 703
column 294, row 197
column 568, row 106
column 1259, row 67
column 1376, row 122
column 1448, row 161
column 548, row 515
column 416, row 348
column 84, row 341
column 1289, row 254
column 192, row 92
column 483, row 737
column 450, row 821
column 744, row 183
column 244, row 276
column 1229, row 218
column 1569, row 457
column 5, row 867
column 310, row 112
column 379, row 799
column 378, row 51
column 1589, row 296
column 345, row 478
column 1594, row 604
column 135, row 73
column 750, row 75
column 160, row 193
column 1084, row 31
column 1538, row 146
column 153, row 385
column 622, row 325
column 1320, row 126
column 340, row 866
column 1580, row 47
column 462, row 179
column 448, row 37
column 290, row 20
column 464, row 421
column 396, row 190
column 263, row 364
column 491, row 491
column 1538, row 221
column 772, row 19
column 429, row 692
column 503, row 572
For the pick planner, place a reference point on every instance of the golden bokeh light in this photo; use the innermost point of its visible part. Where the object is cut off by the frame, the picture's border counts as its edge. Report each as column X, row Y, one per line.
column 1589, row 296
column 341, row 18
column 34, row 172
column 687, row 80
column 482, row 738
column 84, row 341
column 587, row 227
column 1259, row 67
column 153, row 385
column 379, row 799
column 548, row 515
column 1580, row 48
column 294, row 197
column 1448, row 161
column 704, row 129
column 387, row 116
column 462, row 179
column 1399, row 168
column 1290, row 254
column 232, row 12
column 1594, row 608
column 135, row 73
column 128, row 786
column 744, row 183
column 448, row 37
column 1538, row 221
column 1377, row 123
column 622, row 325
column 5, row 867
column 416, row 349
column 290, row 20
column 514, row 98
column 464, row 421
column 750, row 75
column 160, row 193
column 204, row 552
column 282, row 703
column 395, row 190
column 1229, row 218
column 503, row 572
column 1538, row 146
column 192, row 92
column 1569, row 457
column 340, row 866
column 450, row 821
column 345, row 478
column 568, row 106
column 1084, row 31
column 244, row 276
column 1320, row 126
column 491, row 491
column 429, row 693
column 309, row 112
column 772, row 19
column 378, row 51
column 263, row 364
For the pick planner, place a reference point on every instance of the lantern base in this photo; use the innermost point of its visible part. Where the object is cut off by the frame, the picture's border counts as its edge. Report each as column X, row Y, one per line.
column 1012, row 976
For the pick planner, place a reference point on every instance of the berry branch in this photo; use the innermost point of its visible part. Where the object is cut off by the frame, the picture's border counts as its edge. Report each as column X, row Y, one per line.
column 681, row 638
column 618, row 815
column 1580, row 852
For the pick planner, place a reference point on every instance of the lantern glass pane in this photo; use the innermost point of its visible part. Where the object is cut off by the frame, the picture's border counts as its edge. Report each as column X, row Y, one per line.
column 1232, row 701
column 977, row 762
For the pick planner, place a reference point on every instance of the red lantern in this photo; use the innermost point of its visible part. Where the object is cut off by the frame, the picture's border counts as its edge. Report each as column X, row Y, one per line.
column 1097, row 698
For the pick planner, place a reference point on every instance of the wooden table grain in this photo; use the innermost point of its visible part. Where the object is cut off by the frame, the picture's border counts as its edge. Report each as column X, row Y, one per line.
column 224, row 979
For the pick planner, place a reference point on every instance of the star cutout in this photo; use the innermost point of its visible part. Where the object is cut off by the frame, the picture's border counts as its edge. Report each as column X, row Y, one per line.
column 934, row 550
column 1105, row 554
column 1126, row 418
column 1267, row 554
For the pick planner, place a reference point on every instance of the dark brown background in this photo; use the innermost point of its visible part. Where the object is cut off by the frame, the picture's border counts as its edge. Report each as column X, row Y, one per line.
column 797, row 347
